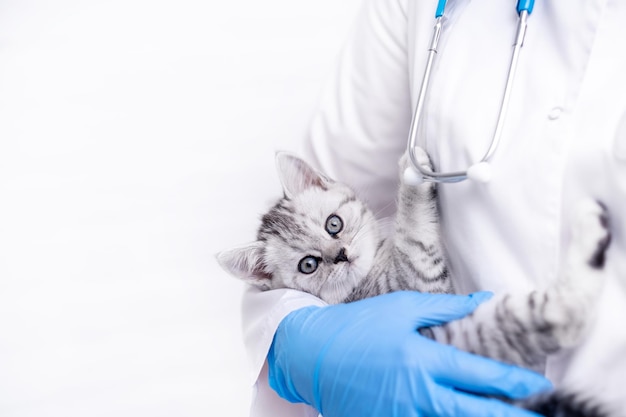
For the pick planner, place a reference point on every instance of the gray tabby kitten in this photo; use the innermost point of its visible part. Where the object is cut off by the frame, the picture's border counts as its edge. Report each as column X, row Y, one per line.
column 320, row 238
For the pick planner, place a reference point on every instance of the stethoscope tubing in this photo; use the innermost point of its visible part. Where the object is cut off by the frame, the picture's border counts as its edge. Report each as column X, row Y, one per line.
column 524, row 8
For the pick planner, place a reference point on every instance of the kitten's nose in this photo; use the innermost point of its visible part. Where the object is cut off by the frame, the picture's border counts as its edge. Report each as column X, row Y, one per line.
column 341, row 256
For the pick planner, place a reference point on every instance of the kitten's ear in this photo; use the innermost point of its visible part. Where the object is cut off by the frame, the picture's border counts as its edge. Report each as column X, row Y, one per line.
column 296, row 175
column 246, row 263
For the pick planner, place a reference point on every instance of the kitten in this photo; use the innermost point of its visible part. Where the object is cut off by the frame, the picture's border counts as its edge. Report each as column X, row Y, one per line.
column 321, row 239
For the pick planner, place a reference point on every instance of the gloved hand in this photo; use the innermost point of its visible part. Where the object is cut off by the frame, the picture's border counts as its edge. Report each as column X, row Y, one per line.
column 367, row 359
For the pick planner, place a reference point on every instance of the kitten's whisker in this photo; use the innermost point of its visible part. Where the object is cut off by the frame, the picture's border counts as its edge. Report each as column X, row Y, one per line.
column 382, row 209
column 364, row 231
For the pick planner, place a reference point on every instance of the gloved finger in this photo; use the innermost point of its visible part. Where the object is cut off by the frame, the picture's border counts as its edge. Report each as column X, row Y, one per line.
column 481, row 375
column 451, row 403
column 437, row 309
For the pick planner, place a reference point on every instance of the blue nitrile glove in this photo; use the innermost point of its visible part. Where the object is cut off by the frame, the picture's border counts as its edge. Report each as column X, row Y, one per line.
column 367, row 359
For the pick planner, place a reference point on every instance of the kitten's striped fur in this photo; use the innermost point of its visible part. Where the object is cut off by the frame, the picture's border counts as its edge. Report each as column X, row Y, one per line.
column 358, row 262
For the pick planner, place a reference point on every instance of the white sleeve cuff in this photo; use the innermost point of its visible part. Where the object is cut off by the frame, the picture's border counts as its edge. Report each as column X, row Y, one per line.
column 262, row 312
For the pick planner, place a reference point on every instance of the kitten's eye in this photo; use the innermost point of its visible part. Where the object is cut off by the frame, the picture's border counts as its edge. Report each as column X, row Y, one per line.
column 308, row 264
column 334, row 224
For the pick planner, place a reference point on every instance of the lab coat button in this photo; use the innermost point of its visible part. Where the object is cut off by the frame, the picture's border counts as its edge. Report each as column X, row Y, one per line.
column 555, row 113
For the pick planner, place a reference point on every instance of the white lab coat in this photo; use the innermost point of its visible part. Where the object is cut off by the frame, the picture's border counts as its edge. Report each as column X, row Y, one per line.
column 564, row 139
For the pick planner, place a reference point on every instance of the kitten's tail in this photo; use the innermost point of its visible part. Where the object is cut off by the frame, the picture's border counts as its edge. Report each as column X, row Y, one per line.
column 563, row 404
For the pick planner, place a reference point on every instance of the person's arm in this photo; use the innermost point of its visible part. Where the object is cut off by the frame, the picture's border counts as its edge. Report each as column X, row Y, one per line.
column 367, row 359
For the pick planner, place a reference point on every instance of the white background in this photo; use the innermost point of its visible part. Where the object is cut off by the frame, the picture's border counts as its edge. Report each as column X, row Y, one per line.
column 137, row 140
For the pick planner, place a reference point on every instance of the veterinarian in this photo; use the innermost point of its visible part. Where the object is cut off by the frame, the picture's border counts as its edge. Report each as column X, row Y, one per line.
column 564, row 139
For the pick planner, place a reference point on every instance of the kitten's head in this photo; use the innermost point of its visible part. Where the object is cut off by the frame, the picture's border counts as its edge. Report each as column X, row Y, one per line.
column 319, row 238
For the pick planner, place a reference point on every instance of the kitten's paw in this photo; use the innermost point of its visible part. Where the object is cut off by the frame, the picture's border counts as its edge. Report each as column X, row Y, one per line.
column 591, row 232
column 408, row 174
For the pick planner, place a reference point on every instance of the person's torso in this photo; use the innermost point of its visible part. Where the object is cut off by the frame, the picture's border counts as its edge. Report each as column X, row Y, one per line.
column 564, row 139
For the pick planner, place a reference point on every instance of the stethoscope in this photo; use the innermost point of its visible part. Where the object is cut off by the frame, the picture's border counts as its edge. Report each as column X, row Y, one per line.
column 480, row 171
